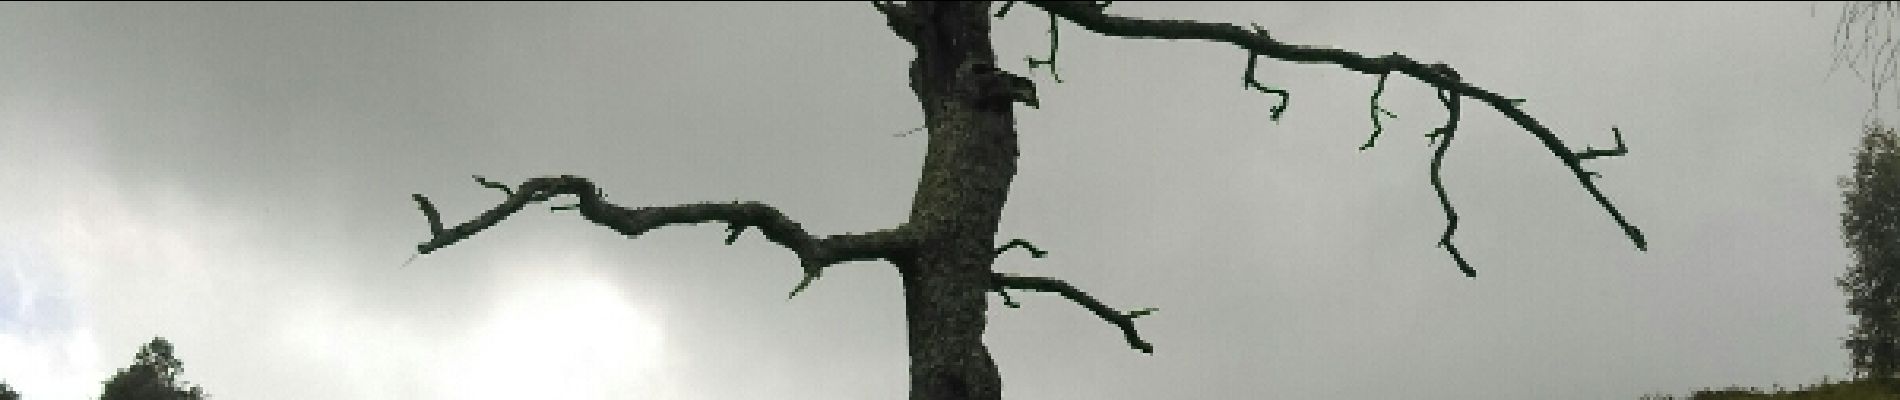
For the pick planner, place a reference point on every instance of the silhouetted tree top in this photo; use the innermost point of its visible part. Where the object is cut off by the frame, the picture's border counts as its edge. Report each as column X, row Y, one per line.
column 153, row 375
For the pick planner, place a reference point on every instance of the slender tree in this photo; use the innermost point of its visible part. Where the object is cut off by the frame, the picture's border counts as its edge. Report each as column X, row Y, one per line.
column 153, row 375
column 1865, row 43
column 944, row 251
column 1871, row 227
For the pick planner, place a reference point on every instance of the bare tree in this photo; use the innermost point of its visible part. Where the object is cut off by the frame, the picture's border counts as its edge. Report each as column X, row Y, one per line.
column 1864, row 42
column 945, row 250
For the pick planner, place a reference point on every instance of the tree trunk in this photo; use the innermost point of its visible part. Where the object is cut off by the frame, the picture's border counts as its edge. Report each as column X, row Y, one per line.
column 959, row 201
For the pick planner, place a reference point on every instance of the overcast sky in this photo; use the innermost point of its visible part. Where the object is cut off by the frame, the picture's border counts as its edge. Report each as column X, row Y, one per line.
column 236, row 178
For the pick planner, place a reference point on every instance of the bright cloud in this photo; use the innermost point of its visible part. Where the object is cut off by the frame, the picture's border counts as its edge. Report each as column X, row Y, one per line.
column 89, row 270
column 47, row 350
column 42, row 351
column 565, row 338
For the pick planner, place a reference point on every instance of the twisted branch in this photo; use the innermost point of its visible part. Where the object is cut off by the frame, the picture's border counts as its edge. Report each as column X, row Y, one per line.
column 1014, row 243
column 1374, row 109
column 1255, row 84
column 814, row 254
column 1438, row 184
column 1125, row 321
column 1259, row 42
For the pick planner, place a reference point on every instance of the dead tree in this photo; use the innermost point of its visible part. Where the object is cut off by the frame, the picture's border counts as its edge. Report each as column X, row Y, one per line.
column 945, row 250
column 1865, row 43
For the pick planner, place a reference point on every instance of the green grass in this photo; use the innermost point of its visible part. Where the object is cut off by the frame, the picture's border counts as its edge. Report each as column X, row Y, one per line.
column 1872, row 389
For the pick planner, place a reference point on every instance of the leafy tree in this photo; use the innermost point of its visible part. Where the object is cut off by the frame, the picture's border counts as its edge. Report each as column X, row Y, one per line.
column 945, row 250
column 152, row 376
column 1871, row 226
column 7, row 393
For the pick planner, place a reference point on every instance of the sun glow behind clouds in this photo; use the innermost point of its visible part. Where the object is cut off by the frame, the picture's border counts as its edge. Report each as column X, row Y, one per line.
column 559, row 336
column 48, row 348
column 42, row 351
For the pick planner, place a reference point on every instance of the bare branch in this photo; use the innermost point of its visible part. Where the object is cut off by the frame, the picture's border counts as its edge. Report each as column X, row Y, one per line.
column 1260, row 42
column 814, row 254
column 900, row 18
column 1443, row 136
column 1007, row 301
column 1878, row 46
column 492, row 185
column 1285, row 96
column 1053, row 45
column 1014, row 243
column 1125, row 321
column 428, row 211
column 1374, row 109
column 1589, row 153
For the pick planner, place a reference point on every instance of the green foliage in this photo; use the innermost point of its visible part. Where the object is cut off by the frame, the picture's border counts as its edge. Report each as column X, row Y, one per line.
column 1868, row 389
column 7, row 393
column 153, row 375
column 1870, row 225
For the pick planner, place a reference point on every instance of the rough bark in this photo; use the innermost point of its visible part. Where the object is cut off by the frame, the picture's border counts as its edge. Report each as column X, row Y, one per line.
column 958, row 202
